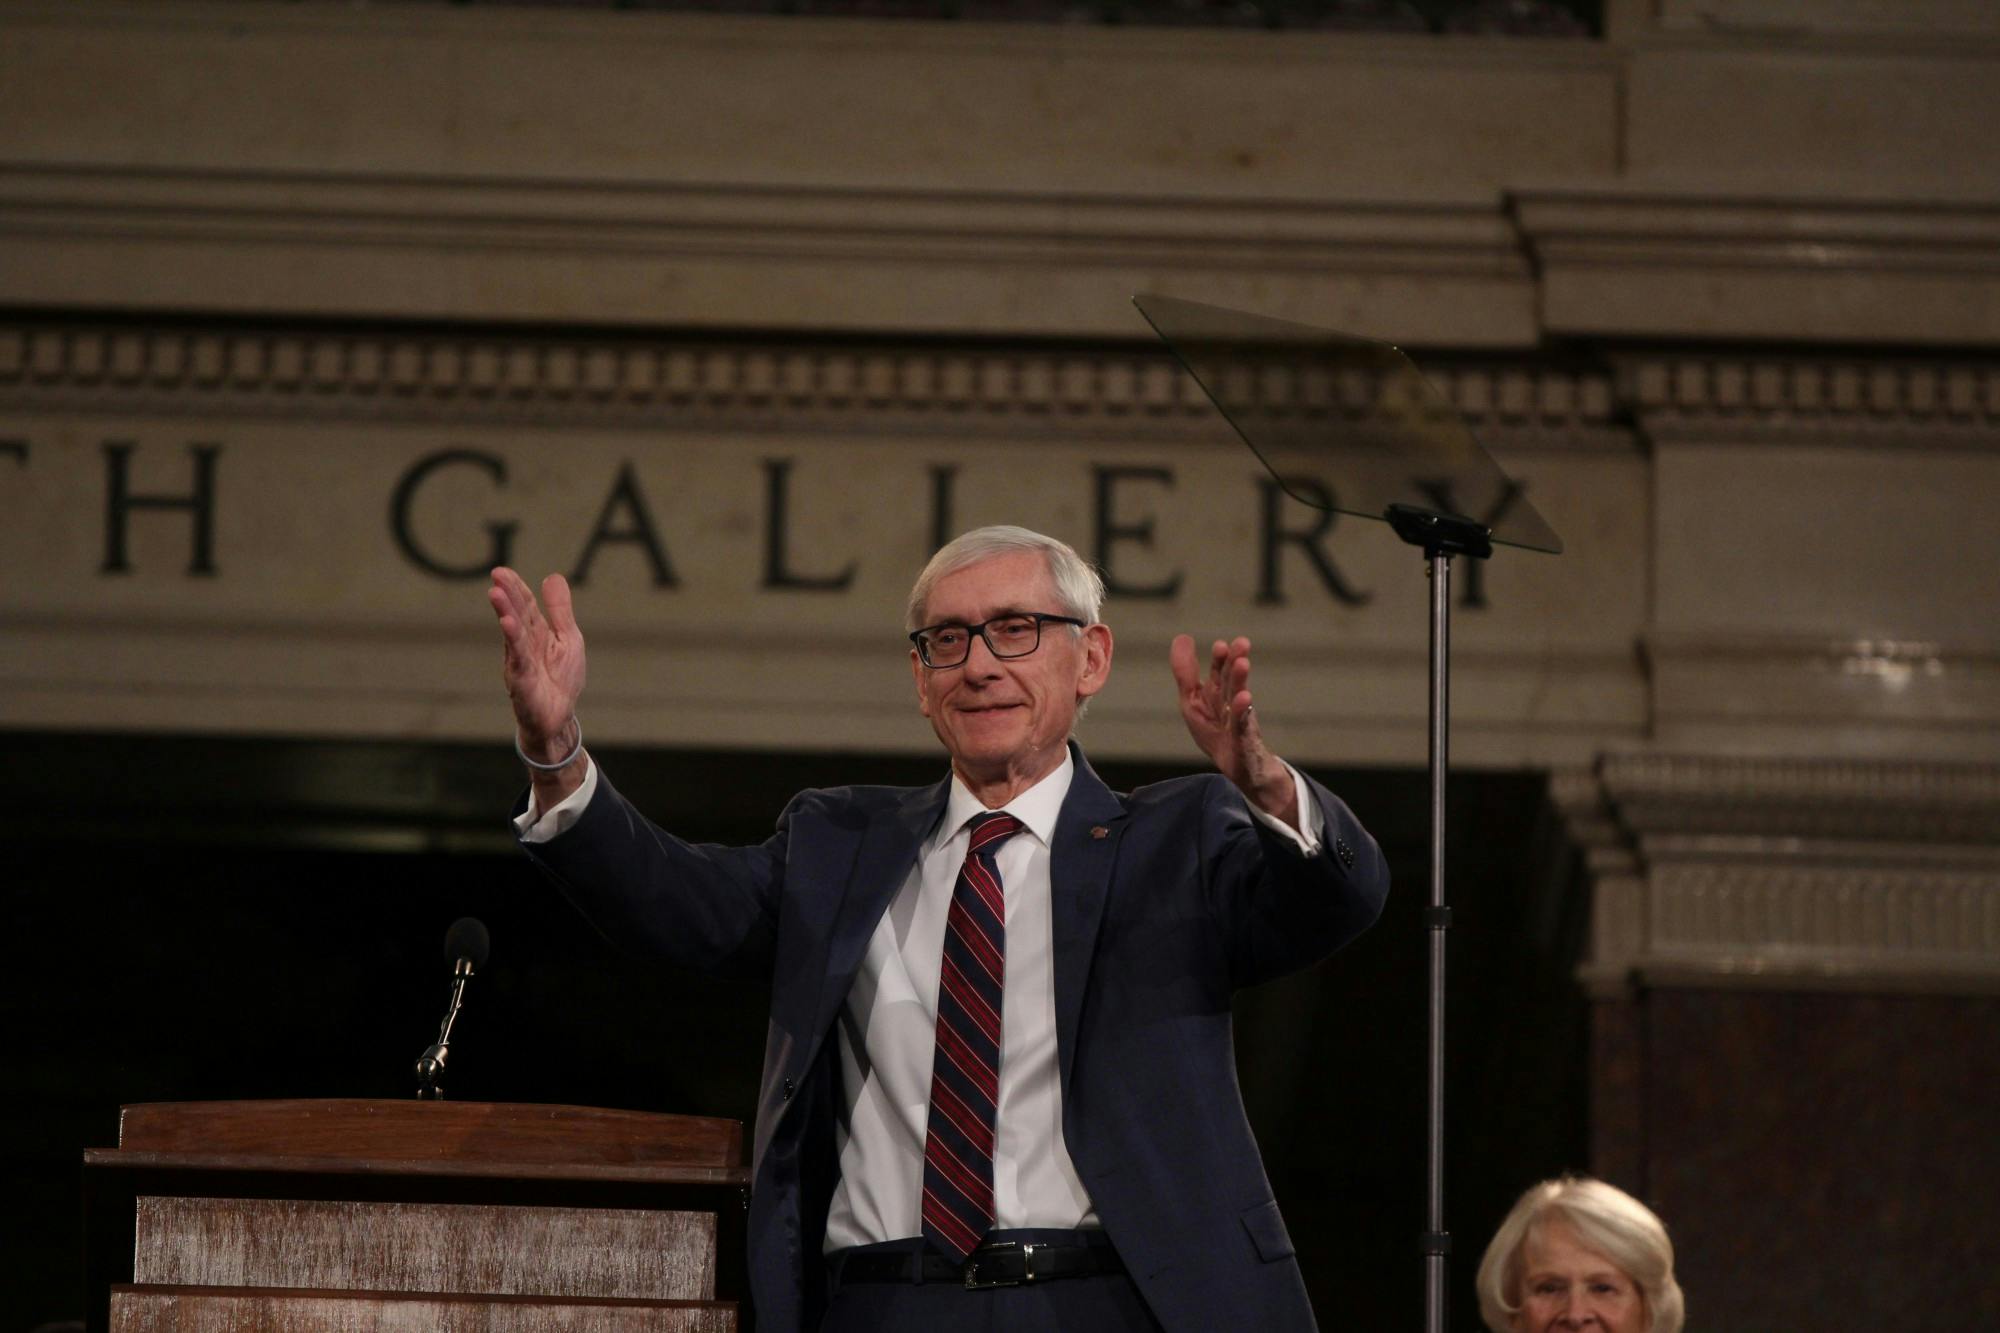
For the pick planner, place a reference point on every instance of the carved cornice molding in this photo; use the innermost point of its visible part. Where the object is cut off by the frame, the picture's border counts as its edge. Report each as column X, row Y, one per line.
column 1740, row 261
column 1729, row 779
column 745, row 222
column 1833, row 922
column 617, row 380
column 1708, row 870
column 1875, row 401
column 1656, row 795
column 1823, row 233
column 790, row 384
column 872, row 259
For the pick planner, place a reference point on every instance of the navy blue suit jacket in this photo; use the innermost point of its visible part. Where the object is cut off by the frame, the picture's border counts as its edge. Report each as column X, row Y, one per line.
column 1165, row 902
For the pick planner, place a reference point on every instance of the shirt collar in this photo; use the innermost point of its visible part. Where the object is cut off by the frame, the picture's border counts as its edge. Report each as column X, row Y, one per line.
column 1037, row 808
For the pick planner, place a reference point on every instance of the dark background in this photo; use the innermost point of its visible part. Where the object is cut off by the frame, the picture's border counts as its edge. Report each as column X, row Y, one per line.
column 195, row 919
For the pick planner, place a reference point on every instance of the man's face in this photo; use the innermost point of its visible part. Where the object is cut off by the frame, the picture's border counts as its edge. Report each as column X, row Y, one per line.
column 1008, row 717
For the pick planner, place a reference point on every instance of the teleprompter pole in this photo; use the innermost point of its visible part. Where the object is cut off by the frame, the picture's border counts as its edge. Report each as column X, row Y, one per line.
column 1442, row 536
column 1437, row 1241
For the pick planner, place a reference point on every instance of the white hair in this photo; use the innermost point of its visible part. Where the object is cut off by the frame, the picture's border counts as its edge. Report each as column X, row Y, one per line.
column 1078, row 587
column 1604, row 1218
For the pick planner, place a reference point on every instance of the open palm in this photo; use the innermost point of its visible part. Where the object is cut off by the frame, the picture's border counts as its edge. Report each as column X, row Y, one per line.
column 1217, row 710
column 543, row 660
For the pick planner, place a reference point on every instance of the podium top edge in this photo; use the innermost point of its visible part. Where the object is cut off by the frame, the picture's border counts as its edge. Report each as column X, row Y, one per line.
column 507, row 1135
column 122, row 1160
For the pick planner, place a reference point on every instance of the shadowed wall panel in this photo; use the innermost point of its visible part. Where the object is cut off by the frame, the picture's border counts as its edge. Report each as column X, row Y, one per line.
column 1802, row 1147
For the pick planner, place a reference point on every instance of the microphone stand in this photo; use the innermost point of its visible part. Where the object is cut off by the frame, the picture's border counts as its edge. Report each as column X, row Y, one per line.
column 430, row 1065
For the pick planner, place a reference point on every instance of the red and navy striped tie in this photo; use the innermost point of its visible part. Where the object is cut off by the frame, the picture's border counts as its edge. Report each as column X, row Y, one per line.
column 965, row 1071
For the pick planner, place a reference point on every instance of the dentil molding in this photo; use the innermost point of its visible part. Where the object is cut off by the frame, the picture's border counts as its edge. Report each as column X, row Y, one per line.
column 436, row 374
column 774, row 382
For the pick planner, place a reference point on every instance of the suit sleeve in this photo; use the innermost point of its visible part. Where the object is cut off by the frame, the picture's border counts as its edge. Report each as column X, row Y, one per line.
column 698, row 906
column 1280, row 908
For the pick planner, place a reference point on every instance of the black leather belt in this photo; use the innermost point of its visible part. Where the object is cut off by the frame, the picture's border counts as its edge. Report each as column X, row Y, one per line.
column 1001, row 1264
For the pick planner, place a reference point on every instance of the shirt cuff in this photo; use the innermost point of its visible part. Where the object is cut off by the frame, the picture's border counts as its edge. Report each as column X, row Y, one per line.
column 1309, row 816
column 532, row 826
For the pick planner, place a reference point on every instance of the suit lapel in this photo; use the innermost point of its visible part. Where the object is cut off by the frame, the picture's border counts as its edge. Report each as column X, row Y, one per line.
column 888, row 849
column 1080, row 862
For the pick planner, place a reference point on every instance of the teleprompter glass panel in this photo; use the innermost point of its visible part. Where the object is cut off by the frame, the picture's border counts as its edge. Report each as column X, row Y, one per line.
column 1341, row 422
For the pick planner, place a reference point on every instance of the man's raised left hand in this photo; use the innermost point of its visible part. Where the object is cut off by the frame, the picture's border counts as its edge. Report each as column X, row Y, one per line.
column 1217, row 710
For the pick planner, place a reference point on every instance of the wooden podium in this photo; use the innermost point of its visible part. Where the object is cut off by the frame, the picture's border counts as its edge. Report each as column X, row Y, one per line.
column 409, row 1215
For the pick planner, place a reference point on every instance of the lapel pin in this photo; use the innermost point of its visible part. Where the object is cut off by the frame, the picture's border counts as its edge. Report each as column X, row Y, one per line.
column 1099, row 831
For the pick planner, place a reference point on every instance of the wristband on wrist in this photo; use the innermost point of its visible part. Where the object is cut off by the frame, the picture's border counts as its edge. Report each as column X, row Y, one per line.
column 561, row 763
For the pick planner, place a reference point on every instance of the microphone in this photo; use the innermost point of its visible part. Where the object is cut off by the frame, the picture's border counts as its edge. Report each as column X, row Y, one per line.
column 466, row 945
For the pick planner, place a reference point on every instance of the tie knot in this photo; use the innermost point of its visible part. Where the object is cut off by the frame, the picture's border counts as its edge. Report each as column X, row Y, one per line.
column 990, row 830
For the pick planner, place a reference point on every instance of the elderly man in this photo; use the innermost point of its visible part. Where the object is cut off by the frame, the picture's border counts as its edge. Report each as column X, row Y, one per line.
column 999, row 1090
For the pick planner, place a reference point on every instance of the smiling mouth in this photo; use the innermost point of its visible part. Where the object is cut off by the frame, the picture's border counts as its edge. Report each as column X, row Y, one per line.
column 991, row 708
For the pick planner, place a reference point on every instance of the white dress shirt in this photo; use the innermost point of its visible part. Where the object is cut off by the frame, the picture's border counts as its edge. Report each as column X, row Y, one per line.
column 887, row 1033
column 887, row 1028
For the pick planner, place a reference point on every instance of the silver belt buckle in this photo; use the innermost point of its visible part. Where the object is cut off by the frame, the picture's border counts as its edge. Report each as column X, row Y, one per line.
column 974, row 1282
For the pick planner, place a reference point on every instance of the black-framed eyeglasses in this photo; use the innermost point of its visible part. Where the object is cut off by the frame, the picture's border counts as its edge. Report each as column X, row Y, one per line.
column 1014, row 635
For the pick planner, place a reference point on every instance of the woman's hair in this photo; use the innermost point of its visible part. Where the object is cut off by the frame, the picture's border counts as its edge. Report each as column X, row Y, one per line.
column 1604, row 1218
column 1078, row 586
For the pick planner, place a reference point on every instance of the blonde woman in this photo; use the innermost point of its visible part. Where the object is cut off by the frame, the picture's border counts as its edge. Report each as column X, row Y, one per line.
column 1578, row 1254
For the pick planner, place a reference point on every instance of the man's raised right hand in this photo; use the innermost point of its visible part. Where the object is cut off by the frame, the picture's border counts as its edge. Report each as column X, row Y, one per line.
column 542, row 663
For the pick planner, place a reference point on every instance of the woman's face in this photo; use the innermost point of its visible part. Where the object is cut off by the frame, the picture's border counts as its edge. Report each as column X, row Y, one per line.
column 1566, row 1285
